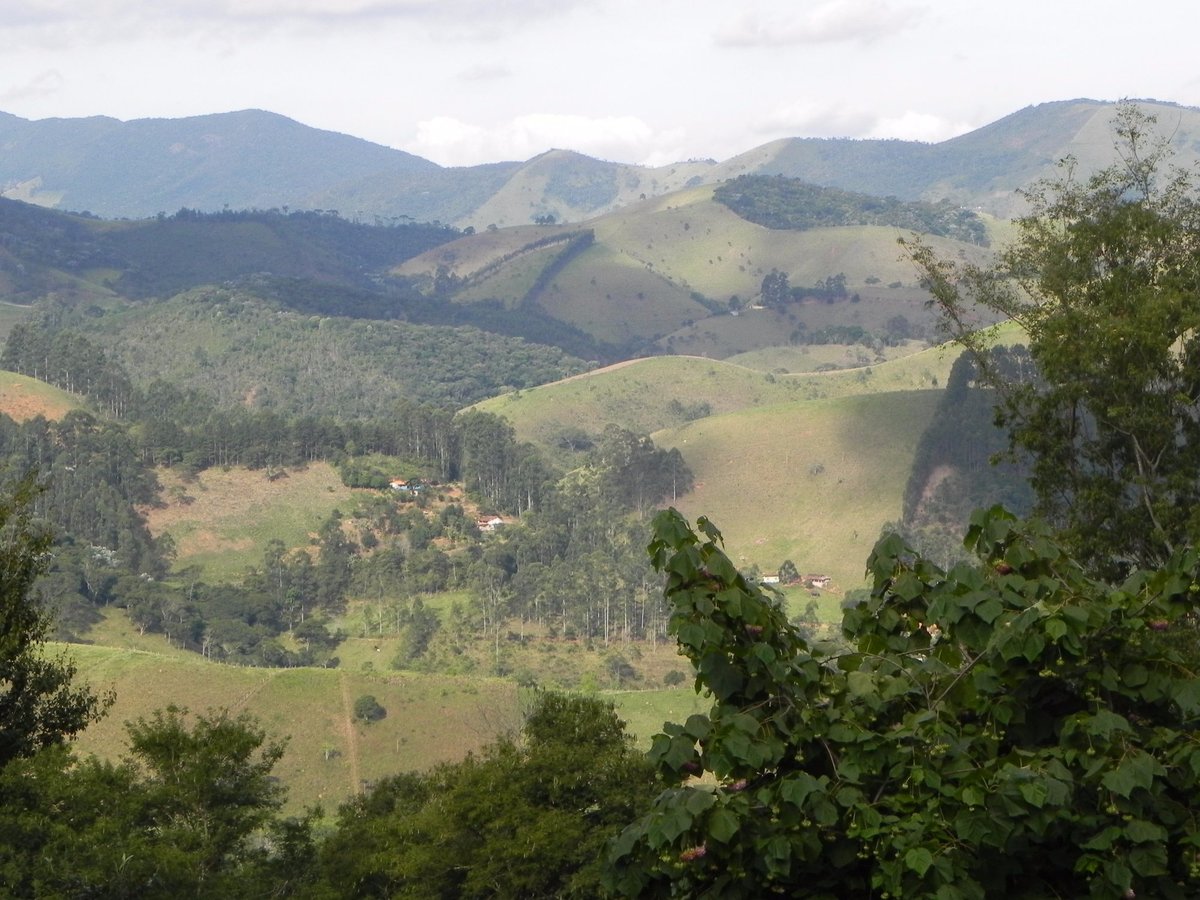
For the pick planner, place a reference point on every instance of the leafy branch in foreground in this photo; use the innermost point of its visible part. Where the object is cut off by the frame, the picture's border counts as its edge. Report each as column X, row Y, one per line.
column 1010, row 728
column 39, row 706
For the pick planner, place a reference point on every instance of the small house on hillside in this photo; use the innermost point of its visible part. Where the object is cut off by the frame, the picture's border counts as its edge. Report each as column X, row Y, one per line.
column 411, row 486
column 488, row 524
column 817, row 581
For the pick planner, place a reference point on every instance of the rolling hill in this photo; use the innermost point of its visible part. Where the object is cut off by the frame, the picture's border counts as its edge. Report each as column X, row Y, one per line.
column 140, row 168
column 329, row 756
column 663, row 275
column 23, row 398
column 805, row 466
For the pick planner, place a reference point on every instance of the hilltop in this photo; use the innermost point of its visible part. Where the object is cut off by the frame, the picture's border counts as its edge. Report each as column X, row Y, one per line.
column 257, row 159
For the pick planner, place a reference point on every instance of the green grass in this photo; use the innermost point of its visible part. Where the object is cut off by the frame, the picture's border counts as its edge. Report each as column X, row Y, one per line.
column 329, row 756
column 222, row 520
column 24, row 398
column 644, row 712
column 430, row 718
column 636, row 282
column 638, row 395
column 810, row 481
column 803, row 358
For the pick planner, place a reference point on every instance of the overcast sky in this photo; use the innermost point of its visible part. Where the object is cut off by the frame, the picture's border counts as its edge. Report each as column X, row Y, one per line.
column 642, row 81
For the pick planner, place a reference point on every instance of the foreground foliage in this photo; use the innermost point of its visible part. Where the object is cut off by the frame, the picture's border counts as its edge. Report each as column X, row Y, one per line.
column 522, row 820
column 191, row 811
column 1011, row 728
column 39, row 707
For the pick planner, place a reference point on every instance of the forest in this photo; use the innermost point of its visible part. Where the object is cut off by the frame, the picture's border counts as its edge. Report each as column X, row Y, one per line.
column 99, row 469
column 789, row 203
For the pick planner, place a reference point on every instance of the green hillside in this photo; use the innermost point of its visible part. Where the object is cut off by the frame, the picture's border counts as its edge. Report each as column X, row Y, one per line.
column 805, row 466
column 243, row 349
column 646, row 395
column 22, row 397
column 330, row 756
column 666, row 272
column 810, row 481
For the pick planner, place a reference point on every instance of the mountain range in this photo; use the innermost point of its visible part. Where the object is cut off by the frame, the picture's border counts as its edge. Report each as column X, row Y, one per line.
column 253, row 159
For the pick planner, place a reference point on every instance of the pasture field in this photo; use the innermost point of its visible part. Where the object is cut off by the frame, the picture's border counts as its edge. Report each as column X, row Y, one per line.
column 23, row 398
column 222, row 520
column 329, row 755
column 809, row 481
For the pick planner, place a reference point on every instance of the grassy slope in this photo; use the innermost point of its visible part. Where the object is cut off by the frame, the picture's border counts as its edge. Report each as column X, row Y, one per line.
column 637, row 280
column 431, row 718
column 638, row 394
column 222, row 521
column 810, row 481
column 753, row 458
column 24, row 398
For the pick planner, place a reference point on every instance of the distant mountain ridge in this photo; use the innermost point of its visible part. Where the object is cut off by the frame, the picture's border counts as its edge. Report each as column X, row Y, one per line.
column 255, row 159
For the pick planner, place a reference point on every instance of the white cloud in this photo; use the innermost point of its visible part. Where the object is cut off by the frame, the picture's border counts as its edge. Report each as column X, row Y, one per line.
column 833, row 22
column 61, row 22
column 915, row 126
column 485, row 72
column 44, row 84
column 807, row 118
column 17, row 12
column 452, row 142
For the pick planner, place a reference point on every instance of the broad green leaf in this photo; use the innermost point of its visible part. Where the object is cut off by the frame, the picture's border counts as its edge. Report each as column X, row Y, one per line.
column 971, row 796
column 1034, row 793
column 1104, row 722
column 1055, row 628
column 722, row 825
column 1140, row 831
column 699, row 800
column 861, row 684
column 797, row 788
column 1135, row 675
column 919, row 860
column 1136, row 770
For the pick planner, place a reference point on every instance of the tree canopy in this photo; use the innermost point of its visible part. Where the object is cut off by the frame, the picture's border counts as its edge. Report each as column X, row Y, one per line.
column 1102, row 277
column 39, row 706
column 1009, row 728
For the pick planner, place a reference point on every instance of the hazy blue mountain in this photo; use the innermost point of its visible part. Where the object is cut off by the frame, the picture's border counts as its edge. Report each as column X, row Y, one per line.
column 240, row 160
column 255, row 159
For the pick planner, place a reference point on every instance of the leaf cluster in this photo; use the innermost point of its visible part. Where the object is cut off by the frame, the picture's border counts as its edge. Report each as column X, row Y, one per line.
column 1008, row 728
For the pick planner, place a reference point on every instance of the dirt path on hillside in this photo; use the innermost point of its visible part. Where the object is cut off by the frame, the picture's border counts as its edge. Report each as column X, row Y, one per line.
column 588, row 374
column 241, row 702
column 351, row 739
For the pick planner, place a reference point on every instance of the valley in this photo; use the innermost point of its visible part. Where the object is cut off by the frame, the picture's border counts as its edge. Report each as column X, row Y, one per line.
column 221, row 400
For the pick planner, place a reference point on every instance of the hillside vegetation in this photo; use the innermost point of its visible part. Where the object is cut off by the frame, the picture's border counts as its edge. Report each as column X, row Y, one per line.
column 664, row 275
column 23, row 398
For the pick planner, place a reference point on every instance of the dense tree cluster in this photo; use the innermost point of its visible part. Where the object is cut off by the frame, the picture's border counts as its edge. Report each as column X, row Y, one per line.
column 293, row 366
column 523, row 819
column 960, row 463
column 792, row 204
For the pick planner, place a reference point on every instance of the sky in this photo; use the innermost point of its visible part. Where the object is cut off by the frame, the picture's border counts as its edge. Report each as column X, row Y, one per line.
column 463, row 82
